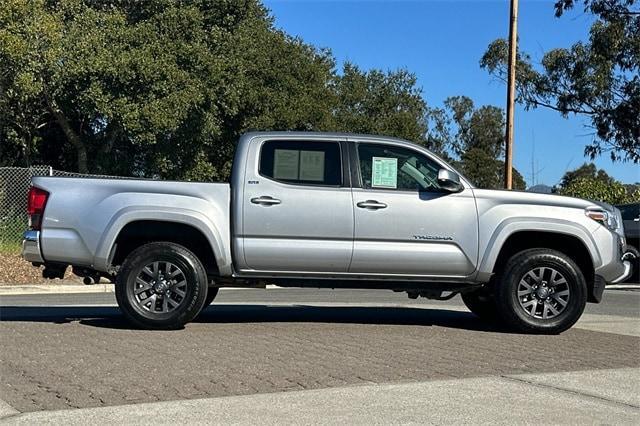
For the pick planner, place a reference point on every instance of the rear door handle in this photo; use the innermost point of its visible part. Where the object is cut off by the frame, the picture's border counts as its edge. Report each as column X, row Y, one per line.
column 371, row 205
column 265, row 200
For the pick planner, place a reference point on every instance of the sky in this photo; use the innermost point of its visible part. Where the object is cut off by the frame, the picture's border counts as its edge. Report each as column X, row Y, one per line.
column 442, row 41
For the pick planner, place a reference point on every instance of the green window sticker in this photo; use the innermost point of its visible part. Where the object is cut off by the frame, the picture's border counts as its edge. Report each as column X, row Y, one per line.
column 384, row 172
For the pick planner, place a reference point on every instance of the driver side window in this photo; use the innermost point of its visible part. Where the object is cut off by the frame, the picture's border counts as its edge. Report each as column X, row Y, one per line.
column 392, row 167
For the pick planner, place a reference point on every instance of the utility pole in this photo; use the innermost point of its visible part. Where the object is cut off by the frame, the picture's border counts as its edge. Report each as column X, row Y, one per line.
column 511, row 89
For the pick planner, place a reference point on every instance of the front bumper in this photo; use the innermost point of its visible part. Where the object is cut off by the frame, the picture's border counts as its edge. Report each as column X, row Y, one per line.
column 615, row 266
column 627, row 272
column 31, row 247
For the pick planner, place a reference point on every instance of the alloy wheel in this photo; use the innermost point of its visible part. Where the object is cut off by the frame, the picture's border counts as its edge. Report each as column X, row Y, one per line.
column 160, row 287
column 543, row 293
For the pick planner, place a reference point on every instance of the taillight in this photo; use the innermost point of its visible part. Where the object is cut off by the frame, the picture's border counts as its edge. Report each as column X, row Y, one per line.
column 37, row 200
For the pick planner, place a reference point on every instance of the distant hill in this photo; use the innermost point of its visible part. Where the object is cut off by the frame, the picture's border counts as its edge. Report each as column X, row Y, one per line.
column 540, row 189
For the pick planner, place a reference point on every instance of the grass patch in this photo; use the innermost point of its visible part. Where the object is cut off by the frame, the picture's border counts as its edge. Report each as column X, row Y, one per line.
column 12, row 226
column 10, row 247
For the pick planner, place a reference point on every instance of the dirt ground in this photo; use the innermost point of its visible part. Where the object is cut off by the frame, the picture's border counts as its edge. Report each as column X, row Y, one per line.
column 15, row 270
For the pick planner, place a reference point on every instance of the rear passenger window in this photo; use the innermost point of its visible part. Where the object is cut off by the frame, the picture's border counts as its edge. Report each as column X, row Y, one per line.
column 304, row 162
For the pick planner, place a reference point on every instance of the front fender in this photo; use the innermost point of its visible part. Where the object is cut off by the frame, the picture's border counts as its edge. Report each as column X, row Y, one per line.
column 492, row 245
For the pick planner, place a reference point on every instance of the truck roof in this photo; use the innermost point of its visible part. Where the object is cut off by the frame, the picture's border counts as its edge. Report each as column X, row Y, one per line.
column 317, row 135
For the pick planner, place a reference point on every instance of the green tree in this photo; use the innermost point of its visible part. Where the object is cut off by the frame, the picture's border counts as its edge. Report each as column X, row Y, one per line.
column 486, row 171
column 474, row 139
column 596, row 189
column 599, row 78
column 163, row 88
column 385, row 103
column 587, row 181
column 98, row 75
column 586, row 171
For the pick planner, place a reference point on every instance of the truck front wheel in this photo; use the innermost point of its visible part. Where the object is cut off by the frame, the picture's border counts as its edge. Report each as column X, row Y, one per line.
column 541, row 291
column 161, row 285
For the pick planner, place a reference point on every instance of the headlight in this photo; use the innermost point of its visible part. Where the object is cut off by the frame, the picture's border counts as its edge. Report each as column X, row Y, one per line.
column 603, row 217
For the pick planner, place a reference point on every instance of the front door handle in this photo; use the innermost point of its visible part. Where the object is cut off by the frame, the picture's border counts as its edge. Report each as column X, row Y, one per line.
column 371, row 205
column 265, row 200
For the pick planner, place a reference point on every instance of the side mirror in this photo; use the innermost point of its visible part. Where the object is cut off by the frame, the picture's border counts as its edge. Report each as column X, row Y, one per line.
column 449, row 181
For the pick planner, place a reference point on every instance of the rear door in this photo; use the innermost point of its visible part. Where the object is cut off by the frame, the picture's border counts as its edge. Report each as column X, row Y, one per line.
column 405, row 224
column 297, row 207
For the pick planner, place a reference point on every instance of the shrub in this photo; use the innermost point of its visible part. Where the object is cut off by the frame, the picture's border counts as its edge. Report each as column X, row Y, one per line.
column 598, row 190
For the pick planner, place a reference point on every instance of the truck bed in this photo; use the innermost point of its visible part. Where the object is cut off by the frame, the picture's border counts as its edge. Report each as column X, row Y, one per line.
column 83, row 215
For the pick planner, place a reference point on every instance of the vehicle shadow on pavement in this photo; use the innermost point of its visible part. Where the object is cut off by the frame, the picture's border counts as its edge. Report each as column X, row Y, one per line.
column 345, row 315
column 110, row 317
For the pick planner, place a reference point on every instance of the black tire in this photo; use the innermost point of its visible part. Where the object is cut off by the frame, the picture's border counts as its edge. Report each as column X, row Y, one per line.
column 481, row 303
column 635, row 276
column 184, row 306
column 541, row 263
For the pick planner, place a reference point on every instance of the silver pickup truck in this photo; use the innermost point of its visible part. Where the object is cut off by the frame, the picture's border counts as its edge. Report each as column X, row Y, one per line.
column 335, row 211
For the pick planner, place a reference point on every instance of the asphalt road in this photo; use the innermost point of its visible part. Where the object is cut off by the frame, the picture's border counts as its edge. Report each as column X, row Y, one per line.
column 616, row 302
column 75, row 350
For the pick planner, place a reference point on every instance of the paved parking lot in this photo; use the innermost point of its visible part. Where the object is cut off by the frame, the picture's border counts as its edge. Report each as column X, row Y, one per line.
column 55, row 356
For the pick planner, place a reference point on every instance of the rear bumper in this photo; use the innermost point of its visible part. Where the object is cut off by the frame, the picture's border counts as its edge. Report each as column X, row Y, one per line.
column 31, row 247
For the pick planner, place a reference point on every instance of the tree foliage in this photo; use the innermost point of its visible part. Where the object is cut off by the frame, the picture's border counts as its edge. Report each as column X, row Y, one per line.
column 474, row 139
column 589, row 182
column 598, row 78
column 113, row 81
column 163, row 88
column 595, row 189
column 586, row 171
column 380, row 103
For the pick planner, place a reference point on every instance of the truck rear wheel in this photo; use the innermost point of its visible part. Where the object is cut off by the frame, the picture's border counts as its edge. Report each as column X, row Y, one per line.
column 541, row 291
column 161, row 285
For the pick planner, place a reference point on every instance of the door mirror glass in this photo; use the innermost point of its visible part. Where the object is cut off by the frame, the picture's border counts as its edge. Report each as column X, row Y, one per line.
column 449, row 181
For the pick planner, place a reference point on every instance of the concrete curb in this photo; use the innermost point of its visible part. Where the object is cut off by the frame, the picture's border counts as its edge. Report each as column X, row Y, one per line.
column 11, row 290
column 629, row 286
column 6, row 410
column 55, row 289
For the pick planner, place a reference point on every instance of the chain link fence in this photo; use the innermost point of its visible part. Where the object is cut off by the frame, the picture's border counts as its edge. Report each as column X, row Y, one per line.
column 14, row 187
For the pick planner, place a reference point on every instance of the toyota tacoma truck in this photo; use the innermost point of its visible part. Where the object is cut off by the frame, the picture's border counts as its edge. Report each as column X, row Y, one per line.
column 329, row 211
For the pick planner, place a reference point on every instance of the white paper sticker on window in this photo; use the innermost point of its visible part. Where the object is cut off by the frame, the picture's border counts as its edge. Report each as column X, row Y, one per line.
column 312, row 165
column 384, row 172
column 285, row 164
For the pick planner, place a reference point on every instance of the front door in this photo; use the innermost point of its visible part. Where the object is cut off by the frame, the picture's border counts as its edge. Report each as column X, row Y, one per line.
column 297, row 208
column 404, row 222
